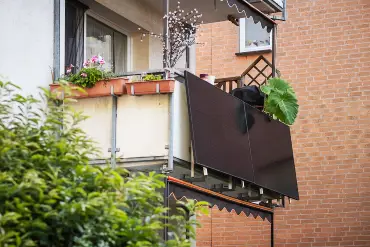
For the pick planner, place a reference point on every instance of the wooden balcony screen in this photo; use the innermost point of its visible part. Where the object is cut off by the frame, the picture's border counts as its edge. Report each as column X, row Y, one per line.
column 256, row 74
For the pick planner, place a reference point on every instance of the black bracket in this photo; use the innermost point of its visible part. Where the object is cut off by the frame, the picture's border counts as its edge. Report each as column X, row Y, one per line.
column 246, row 197
column 220, row 188
column 190, row 179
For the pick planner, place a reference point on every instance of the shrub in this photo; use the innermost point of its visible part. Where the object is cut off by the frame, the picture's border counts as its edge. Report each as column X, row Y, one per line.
column 51, row 196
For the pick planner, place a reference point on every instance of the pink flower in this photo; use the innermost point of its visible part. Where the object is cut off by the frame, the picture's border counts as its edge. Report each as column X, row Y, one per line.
column 83, row 74
column 69, row 68
column 87, row 63
column 94, row 59
column 102, row 62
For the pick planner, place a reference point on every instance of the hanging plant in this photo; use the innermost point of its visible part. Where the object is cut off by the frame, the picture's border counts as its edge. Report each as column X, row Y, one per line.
column 281, row 101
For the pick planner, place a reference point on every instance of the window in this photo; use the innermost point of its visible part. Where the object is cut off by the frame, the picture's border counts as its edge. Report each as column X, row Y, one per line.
column 95, row 38
column 74, row 34
column 253, row 37
column 108, row 43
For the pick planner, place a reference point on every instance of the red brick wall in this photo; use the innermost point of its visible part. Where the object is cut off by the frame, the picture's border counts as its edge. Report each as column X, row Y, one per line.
column 216, row 54
column 324, row 51
column 224, row 229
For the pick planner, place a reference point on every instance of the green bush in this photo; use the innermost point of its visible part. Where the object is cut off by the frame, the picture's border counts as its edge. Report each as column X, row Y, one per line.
column 281, row 101
column 51, row 196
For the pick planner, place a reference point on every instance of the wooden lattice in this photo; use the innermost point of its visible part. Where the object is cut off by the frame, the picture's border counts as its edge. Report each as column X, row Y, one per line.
column 256, row 74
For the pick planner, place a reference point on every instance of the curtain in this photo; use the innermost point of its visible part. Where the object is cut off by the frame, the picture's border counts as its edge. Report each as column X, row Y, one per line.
column 120, row 54
column 74, row 34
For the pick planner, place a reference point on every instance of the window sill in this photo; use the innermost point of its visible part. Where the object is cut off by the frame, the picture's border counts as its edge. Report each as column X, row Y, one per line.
column 247, row 53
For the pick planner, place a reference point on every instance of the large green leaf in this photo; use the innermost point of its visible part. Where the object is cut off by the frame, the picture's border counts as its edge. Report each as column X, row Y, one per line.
column 276, row 85
column 284, row 107
column 281, row 100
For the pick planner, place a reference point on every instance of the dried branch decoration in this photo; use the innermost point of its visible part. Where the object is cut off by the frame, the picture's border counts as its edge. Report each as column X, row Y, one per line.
column 182, row 33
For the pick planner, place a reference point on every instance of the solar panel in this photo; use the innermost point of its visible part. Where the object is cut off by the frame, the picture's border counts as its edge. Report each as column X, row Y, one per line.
column 272, row 154
column 235, row 138
column 219, row 131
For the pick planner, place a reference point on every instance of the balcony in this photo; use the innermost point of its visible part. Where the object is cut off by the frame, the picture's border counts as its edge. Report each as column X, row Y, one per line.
column 196, row 133
column 160, row 130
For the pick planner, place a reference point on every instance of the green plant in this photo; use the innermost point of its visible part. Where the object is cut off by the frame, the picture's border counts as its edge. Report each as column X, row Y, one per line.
column 151, row 77
column 50, row 195
column 281, row 101
column 89, row 75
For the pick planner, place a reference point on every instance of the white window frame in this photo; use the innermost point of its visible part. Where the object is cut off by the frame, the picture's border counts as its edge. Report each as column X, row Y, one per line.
column 114, row 26
column 242, row 47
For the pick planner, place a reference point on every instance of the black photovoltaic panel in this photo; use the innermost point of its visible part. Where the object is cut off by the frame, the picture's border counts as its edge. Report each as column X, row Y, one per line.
column 272, row 154
column 219, row 133
column 232, row 137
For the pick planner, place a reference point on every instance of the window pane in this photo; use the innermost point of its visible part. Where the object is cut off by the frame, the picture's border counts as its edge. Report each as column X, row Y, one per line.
column 74, row 35
column 120, row 53
column 255, row 36
column 99, row 41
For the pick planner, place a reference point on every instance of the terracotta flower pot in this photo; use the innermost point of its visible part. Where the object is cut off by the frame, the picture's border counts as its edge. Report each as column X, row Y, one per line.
column 101, row 89
column 150, row 87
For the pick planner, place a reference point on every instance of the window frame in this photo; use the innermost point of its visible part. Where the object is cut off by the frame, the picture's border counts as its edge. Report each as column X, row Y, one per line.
column 243, row 48
column 115, row 27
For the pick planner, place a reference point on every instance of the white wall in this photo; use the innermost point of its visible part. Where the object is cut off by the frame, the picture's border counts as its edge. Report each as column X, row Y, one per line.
column 155, row 53
column 181, row 125
column 143, row 125
column 26, row 42
column 99, row 124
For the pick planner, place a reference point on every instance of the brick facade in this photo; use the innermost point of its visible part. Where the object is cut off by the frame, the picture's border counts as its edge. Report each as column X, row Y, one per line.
column 224, row 229
column 324, row 51
column 216, row 53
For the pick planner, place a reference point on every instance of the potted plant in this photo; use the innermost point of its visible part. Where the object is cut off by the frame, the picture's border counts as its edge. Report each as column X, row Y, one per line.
column 281, row 101
column 91, row 81
column 150, row 84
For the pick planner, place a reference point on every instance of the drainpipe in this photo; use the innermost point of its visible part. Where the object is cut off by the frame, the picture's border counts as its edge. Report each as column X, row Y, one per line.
column 56, row 67
column 274, row 51
column 284, row 15
column 272, row 231
column 114, row 130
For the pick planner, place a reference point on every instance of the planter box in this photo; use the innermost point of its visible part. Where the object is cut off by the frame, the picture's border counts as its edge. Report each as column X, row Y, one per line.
column 150, row 87
column 101, row 89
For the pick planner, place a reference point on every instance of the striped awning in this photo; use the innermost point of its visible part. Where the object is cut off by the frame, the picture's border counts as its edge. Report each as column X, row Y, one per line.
column 181, row 190
column 243, row 7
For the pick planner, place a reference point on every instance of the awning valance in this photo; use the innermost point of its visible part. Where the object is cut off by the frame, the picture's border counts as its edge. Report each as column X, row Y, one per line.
column 179, row 190
column 217, row 10
column 242, row 6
